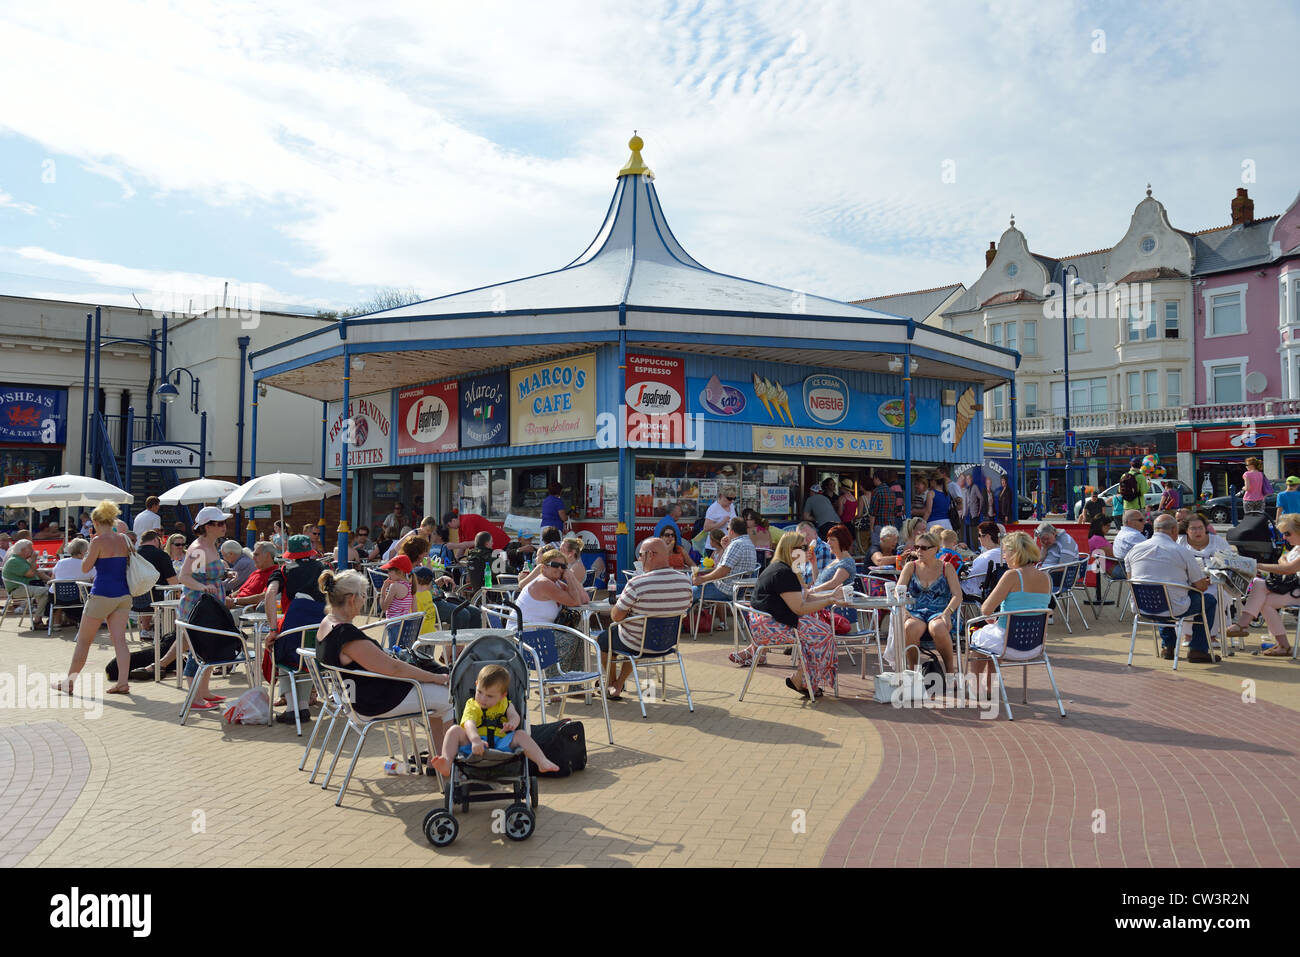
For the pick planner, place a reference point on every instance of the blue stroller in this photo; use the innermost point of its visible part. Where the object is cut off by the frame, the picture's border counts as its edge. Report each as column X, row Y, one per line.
column 493, row 775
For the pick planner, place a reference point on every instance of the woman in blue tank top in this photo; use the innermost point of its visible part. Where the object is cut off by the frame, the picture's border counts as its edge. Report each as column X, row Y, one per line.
column 938, row 504
column 1022, row 587
column 109, row 601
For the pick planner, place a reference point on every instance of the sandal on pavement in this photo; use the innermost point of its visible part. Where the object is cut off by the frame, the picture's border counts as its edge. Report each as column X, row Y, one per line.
column 1277, row 651
column 214, row 697
column 203, row 706
column 119, row 689
column 740, row 658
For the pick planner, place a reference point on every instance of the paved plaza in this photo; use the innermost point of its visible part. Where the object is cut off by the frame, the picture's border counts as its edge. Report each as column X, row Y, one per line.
column 1151, row 768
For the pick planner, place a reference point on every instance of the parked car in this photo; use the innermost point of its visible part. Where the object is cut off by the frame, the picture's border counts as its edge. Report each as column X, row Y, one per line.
column 1220, row 508
column 1153, row 496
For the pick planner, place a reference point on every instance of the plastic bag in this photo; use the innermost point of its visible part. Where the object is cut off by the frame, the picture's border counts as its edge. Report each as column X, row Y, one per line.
column 253, row 707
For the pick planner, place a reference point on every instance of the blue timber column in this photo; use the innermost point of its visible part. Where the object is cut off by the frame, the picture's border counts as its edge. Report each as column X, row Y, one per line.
column 343, row 459
column 251, row 534
column 1015, row 468
column 626, row 476
column 907, row 425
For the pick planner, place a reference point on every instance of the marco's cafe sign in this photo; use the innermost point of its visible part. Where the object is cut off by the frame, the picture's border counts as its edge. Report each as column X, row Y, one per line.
column 554, row 401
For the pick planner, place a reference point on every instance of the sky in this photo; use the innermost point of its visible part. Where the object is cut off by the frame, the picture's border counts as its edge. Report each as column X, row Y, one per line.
column 310, row 154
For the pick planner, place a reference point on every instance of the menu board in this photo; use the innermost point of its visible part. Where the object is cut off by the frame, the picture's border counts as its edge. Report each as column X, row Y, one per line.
column 611, row 496
column 774, row 500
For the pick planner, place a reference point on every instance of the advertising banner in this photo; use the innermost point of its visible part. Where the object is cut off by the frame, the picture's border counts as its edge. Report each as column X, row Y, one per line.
column 483, row 417
column 31, row 415
column 554, row 401
column 816, row 401
column 428, row 420
column 655, row 393
column 368, row 425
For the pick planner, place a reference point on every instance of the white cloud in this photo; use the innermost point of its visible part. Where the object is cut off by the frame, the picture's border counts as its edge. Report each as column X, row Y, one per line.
column 450, row 145
column 8, row 202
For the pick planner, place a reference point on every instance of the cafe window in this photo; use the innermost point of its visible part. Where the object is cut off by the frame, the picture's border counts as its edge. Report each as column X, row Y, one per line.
column 483, row 492
column 772, row 489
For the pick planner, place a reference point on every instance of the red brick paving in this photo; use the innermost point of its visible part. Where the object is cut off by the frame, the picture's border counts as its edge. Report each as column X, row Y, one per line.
column 1186, row 774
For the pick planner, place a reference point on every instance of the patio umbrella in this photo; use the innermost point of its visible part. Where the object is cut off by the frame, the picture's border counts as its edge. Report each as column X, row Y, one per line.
column 63, row 491
column 15, row 496
column 282, row 488
column 198, row 492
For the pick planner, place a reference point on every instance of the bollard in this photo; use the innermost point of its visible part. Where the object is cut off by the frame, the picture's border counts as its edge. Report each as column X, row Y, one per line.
column 1232, row 505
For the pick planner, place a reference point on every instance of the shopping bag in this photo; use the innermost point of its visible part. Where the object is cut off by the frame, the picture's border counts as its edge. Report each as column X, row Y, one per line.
column 253, row 707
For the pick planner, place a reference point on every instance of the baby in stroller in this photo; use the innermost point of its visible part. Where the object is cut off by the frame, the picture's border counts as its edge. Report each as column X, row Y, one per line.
column 489, row 721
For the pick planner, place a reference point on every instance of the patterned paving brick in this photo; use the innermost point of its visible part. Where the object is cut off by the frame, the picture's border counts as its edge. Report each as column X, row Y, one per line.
column 43, row 767
column 1185, row 770
column 1186, row 774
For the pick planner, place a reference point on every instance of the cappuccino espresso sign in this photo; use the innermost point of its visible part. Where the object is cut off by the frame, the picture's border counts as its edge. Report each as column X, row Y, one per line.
column 427, row 421
column 655, row 393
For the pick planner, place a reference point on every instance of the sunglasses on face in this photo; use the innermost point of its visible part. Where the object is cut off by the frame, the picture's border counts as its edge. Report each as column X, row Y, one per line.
column 556, row 565
column 924, row 548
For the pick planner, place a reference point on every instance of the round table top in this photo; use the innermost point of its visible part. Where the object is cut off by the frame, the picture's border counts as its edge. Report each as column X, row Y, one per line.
column 463, row 635
column 166, row 603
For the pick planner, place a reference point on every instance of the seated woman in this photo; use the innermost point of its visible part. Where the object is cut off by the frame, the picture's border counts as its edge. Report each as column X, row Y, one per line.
column 678, row 557
column 1023, row 587
column 933, row 594
column 842, row 569
column 341, row 644
column 990, row 555
column 888, row 550
column 1262, row 601
column 789, row 615
column 760, row 533
column 913, row 528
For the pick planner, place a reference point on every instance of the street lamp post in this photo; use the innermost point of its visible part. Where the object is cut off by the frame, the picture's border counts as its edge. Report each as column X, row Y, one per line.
column 1066, row 285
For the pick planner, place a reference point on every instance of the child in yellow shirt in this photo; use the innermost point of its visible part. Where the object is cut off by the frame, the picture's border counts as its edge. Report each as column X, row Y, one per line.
column 489, row 721
column 424, row 598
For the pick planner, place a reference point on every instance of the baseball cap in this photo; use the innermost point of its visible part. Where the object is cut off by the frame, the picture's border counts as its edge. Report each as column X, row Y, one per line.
column 401, row 562
column 422, row 573
column 1292, row 480
column 209, row 513
column 525, row 536
column 299, row 546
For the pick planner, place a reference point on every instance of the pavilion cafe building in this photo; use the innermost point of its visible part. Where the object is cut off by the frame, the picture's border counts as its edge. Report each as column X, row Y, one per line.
column 634, row 377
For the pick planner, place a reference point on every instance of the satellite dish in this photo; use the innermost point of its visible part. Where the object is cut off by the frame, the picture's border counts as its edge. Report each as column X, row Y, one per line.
column 1256, row 383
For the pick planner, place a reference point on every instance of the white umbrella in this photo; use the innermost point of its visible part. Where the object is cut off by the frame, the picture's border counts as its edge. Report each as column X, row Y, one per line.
column 15, row 496
column 198, row 492
column 81, row 490
column 63, row 491
column 282, row 488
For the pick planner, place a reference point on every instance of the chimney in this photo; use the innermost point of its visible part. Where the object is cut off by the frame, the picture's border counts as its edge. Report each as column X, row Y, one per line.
column 990, row 254
column 1243, row 208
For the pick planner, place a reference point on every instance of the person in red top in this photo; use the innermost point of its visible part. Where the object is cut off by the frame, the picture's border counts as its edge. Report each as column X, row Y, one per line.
column 253, row 590
column 469, row 526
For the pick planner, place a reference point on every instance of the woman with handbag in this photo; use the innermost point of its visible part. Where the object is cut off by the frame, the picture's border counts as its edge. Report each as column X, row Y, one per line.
column 110, row 598
column 1269, row 595
column 202, row 572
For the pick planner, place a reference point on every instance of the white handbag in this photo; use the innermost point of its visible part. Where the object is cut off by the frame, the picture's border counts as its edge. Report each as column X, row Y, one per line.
column 899, row 689
column 140, row 574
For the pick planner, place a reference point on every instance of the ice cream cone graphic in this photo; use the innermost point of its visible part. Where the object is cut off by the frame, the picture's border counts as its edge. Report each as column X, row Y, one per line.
column 763, row 391
column 782, row 402
column 966, row 409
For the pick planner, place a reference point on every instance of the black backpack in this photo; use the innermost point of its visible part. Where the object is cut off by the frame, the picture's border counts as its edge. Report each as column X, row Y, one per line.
column 1128, row 487
column 211, row 613
column 564, row 742
column 991, row 579
column 933, row 676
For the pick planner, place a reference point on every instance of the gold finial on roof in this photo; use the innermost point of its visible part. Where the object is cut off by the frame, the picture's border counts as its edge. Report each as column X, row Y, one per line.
column 635, row 165
column 1148, row 189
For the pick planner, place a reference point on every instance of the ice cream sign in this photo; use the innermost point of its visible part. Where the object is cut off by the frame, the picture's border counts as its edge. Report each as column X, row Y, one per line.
column 826, row 399
column 554, row 401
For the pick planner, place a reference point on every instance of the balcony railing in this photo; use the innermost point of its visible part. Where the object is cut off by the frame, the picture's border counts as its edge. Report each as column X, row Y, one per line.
column 1237, row 411
column 1113, row 419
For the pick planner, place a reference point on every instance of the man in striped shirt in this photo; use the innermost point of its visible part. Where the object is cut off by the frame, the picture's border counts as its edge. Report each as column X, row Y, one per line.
column 659, row 591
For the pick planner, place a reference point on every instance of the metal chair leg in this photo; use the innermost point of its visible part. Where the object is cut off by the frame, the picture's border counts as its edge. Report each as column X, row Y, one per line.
column 324, row 747
column 1055, row 690
column 356, row 753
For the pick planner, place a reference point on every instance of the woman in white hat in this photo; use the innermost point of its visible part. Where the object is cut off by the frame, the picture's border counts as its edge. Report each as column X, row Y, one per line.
column 203, row 572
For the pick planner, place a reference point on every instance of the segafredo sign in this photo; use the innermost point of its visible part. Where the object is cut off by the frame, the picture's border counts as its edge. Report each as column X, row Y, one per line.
column 427, row 418
column 826, row 398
